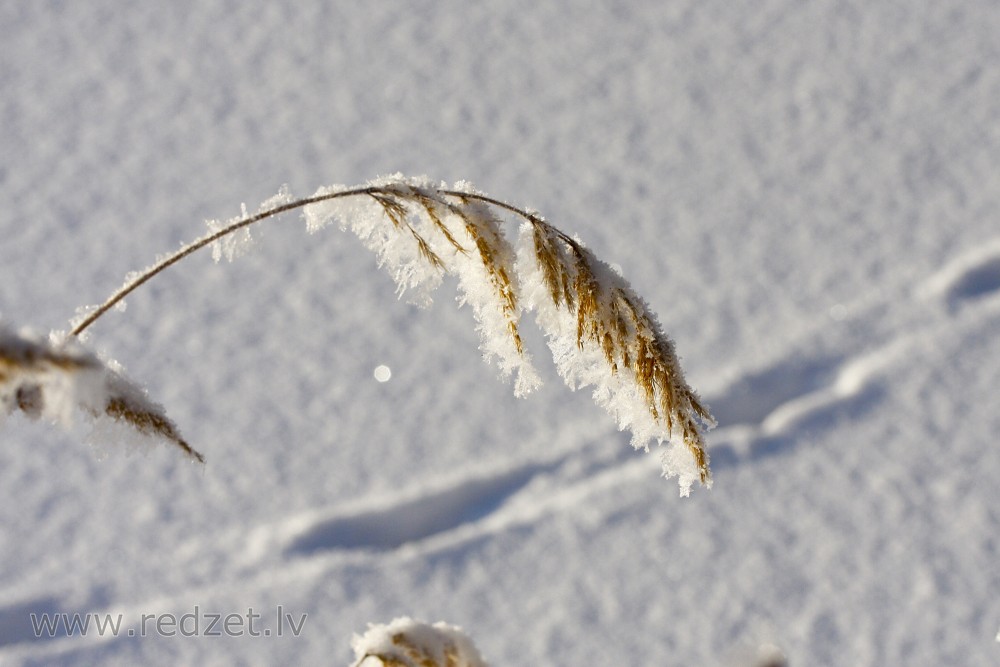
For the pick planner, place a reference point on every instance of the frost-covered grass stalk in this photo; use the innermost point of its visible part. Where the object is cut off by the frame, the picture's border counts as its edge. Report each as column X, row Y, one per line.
column 408, row 643
column 48, row 378
column 600, row 332
column 405, row 642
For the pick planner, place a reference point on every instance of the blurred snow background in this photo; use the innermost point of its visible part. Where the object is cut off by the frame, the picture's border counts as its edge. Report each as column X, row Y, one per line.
column 807, row 193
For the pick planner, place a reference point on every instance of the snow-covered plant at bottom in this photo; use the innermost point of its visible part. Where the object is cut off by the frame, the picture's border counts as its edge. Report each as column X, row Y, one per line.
column 769, row 655
column 49, row 379
column 408, row 643
column 600, row 332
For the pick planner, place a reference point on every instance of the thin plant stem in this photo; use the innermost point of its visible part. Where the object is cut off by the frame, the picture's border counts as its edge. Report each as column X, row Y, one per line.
column 208, row 239
column 169, row 261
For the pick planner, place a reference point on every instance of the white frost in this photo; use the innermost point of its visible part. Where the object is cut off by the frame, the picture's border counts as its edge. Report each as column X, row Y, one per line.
column 413, row 643
column 59, row 379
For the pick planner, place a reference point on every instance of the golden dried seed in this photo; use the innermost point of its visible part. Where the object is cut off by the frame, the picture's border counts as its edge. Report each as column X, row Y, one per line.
column 148, row 423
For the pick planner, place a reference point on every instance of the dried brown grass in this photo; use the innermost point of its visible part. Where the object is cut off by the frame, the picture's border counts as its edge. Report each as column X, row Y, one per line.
column 408, row 653
column 35, row 373
column 609, row 316
column 405, row 642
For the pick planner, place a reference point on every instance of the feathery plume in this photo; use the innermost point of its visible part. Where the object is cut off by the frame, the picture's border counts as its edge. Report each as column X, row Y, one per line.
column 600, row 332
column 408, row 643
column 45, row 379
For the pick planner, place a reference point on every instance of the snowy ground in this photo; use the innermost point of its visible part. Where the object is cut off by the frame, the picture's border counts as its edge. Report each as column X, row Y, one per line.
column 807, row 193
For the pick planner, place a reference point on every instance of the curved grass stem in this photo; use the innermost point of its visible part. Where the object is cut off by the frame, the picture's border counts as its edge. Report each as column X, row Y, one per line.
column 208, row 239
column 598, row 327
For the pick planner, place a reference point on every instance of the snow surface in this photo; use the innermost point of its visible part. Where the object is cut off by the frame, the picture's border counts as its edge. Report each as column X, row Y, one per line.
column 808, row 194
